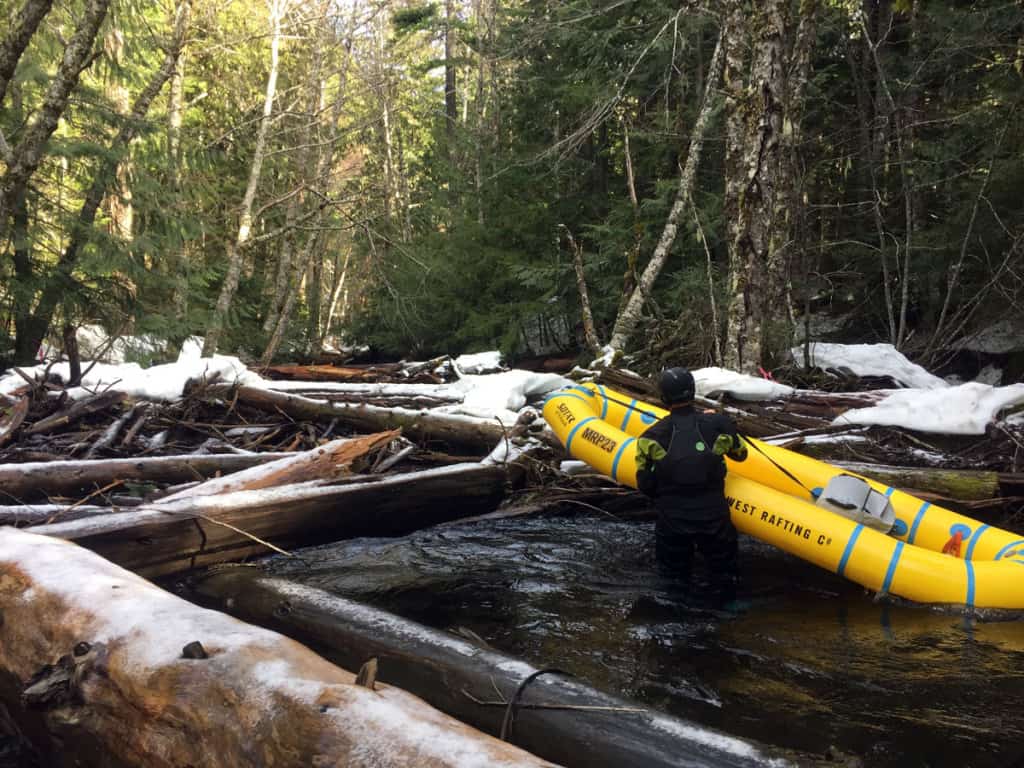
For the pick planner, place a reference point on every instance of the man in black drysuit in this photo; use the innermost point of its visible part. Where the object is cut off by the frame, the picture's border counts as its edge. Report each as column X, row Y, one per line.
column 680, row 465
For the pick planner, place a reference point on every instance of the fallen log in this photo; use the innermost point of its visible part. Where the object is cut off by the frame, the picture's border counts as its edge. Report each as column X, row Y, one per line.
column 120, row 672
column 558, row 718
column 30, row 480
column 334, row 372
column 330, row 461
column 165, row 538
column 77, row 410
column 420, row 425
column 959, row 484
column 24, row 515
column 12, row 417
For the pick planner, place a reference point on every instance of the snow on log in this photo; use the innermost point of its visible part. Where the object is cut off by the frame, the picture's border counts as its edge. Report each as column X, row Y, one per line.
column 420, row 425
column 967, row 409
column 559, row 718
column 104, row 658
column 164, row 538
column 62, row 478
column 869, row 360
column 326, row 462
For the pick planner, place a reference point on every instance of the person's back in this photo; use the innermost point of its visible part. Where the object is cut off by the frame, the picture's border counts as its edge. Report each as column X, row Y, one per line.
column 680, row 465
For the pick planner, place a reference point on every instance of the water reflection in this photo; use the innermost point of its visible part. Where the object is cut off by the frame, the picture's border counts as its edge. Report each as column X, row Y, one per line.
column 812, row 664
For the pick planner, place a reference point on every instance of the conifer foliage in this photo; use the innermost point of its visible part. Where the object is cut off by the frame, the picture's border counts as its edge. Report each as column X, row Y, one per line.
column 714, row 180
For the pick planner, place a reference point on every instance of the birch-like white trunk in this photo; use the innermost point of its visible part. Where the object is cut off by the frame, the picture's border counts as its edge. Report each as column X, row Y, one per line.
column 629, row 317
column 236, row 246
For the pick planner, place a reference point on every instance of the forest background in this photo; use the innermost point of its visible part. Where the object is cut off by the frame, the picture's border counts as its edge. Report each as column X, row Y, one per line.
column 707, row 181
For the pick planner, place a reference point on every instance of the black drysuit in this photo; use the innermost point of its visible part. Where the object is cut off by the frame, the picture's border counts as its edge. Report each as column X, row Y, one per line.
column 687, row 484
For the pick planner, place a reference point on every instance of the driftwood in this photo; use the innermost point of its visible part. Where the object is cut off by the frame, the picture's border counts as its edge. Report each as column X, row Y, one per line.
column 558, row 718
column 77, row 410
column 333, row 372
column 11, row 418
column 19, row 482
column 958, row 484
column 417, row 425
column 165, row 538
column 101, row 668
column 328, row 462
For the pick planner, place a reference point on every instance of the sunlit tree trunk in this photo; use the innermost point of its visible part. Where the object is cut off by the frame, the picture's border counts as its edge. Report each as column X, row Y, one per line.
column 30, row 337
column 28, row 153
column 761, row 181
column 629, row 317
column 17, row 39
column 179, row 259
column 236, row 246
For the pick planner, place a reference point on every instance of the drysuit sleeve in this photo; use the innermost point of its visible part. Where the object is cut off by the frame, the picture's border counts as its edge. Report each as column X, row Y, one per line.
column 731, row 445
column 649, row 451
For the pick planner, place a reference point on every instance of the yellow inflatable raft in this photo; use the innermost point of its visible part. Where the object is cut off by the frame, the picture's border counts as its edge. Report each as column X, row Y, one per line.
column 772, row 496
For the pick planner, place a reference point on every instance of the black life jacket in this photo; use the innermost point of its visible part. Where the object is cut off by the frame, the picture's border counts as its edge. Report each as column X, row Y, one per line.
column 690, row 464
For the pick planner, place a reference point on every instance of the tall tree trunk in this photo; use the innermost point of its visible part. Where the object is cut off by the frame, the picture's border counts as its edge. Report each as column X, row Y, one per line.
column 325, row 160
column 31, row 335
column 758, row 247
column 17, row 40
column 589, row 331
column 302, row 176
column 28, row 153
column 629, row 317
column 451, row 111
column 340, row 275
column 236, row 246
column 179, row 259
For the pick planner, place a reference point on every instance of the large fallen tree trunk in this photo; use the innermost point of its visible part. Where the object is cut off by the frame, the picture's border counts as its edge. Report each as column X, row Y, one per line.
column 959, row 484
column 161, row 539
column 557, row 718
column 327, row 462
column 120, row 672
column 420, row 425
column 20, row 482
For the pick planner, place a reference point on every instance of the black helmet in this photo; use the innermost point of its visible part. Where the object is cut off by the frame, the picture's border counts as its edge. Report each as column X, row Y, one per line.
column 676, row 385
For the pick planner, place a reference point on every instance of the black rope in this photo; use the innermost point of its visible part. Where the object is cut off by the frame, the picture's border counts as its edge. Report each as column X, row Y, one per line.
column 510, row 710
column 778, row 466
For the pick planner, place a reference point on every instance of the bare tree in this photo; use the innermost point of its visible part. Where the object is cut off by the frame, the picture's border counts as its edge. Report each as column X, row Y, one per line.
column 629, row 317
column 236, row 246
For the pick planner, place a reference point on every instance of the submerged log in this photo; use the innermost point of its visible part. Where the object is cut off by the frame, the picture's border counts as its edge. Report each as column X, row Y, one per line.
column 557, row 717
column 94, row 655
column 165, row 538
column 63, row 478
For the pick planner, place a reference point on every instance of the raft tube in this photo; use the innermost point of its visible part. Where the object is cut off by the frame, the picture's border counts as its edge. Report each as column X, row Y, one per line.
column 600, row 427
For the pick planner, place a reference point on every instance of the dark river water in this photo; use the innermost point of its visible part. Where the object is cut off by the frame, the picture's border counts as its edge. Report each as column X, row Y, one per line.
column 811, row 664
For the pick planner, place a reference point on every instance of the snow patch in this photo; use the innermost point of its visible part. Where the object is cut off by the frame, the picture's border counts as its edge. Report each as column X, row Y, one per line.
column 502, row 395
column 964, row 410
column 159, row 382
column 481, row 362
column 870, row 360
column 712, row 381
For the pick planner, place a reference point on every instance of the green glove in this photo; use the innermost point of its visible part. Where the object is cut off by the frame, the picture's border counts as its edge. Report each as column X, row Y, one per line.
column 648, row 453
column 723, row 444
